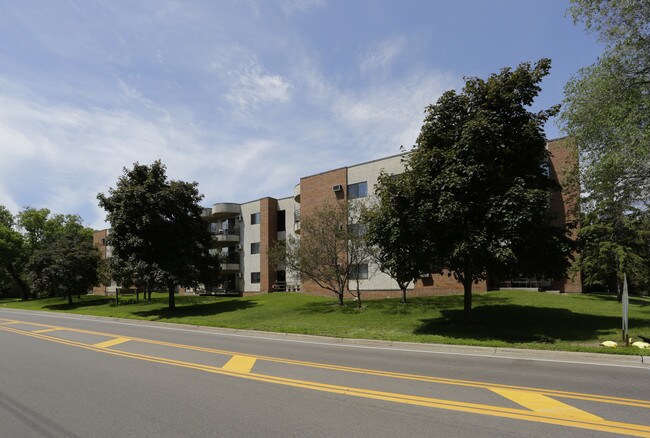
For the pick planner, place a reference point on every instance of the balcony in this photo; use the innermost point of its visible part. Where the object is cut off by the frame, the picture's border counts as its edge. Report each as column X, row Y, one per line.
column 226, row 237
column 225, row 210
column 230, row 263
column 296, row 221
column 296, row 193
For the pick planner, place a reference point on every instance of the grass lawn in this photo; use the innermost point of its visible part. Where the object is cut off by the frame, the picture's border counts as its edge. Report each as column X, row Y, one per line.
column 516, row 319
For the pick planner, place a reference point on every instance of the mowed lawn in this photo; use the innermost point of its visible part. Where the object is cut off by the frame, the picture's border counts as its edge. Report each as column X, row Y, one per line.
column 517, row 319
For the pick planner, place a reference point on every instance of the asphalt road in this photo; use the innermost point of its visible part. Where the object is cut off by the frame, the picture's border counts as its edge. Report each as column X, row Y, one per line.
column 70, row 376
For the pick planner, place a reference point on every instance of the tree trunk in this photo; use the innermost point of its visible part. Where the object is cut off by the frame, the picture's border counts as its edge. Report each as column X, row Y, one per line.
column 24, row 290
column 70, row 298
column 403, row 293
column 340, row 297
column 358, row 295
column 467, row 301
column 137, row 294
column 172, row 298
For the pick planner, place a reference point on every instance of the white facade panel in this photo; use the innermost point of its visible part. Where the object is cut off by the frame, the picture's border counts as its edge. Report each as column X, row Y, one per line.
column 249, row 234
column 369, row 172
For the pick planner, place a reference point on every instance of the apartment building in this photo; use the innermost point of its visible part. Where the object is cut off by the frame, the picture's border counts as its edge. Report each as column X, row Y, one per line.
column 243, row 233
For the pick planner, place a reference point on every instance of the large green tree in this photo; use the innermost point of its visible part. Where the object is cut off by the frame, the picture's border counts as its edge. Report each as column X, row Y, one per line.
column 479, row 189
column 157, row 234
column 607, row 112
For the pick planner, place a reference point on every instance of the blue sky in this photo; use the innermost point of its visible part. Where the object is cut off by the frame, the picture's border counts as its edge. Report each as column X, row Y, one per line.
column 244, row 97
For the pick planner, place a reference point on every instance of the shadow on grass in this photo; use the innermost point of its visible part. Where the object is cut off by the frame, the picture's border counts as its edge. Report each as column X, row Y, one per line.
column 198, row 309
column 639, row 300
column 85, row 302
column 393, row 306
column 520, row 324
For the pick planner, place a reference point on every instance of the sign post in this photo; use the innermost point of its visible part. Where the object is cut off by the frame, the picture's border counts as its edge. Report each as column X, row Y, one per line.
column 626, row 302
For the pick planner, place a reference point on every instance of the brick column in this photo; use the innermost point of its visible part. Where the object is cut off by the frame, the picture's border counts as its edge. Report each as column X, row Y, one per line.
column 315, row 192
column 268, row 236
column 565, row 204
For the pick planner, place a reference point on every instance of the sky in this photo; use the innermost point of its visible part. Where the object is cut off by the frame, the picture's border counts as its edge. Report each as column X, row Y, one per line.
column 244, row 96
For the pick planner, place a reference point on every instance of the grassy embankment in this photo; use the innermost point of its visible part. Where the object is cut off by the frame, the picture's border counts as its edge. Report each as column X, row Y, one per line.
column 516, row 319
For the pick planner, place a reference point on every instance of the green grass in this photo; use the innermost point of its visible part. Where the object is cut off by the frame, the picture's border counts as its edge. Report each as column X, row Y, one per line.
column 516, row 319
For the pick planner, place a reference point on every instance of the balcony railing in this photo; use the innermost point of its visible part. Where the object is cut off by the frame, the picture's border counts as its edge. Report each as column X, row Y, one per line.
column 228, row 236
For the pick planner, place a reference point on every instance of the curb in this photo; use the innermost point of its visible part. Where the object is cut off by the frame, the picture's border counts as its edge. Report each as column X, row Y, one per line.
column 450, row 349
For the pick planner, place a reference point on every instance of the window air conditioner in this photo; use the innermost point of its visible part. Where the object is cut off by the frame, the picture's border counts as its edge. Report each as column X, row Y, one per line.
column 337, row 187
column 240, row 275
column 424, row 275
column 238, row 218
column 239, row 247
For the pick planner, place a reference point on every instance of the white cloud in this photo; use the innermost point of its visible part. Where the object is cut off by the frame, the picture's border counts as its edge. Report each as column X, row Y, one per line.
column 382, row 54
column 292, row 7
column 248, row 84
column 251, row 88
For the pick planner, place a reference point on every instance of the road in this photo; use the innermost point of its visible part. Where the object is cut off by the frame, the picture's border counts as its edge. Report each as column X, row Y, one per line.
column 73, row 376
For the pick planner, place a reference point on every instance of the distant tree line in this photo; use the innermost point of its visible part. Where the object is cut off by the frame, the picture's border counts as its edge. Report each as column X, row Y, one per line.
column 46, row 255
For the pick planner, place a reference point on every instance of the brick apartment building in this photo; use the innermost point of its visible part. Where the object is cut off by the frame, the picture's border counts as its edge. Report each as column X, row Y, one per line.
column 243, row 233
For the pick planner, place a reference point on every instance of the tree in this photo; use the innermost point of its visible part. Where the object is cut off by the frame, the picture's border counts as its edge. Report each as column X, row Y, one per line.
column 321, row 254
column 607, row 112
column 479, row 190
column 157, row 233
column 361, row 253
column 611, row 243
column 13, row 253
column 393, row 232
column 65, row 261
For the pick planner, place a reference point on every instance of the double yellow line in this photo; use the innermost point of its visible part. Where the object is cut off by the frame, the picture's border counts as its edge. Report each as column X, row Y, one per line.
column 540, row 407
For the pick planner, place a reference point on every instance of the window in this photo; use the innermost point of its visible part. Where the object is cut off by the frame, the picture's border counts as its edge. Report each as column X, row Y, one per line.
column 358, row 230
column 359, row 272
column 358, row 190
column 255, row 218
column 282, row 220
column 255, row 248
column 255, row 277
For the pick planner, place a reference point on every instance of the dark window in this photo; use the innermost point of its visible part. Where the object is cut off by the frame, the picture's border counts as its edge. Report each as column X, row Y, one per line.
column 255, row 277
column 358, row 190
column 255, row 248
column 282, row 220
column 359, row 272
column 255, row 218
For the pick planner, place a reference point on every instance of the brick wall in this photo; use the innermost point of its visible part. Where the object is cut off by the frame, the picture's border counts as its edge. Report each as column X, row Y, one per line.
column 315, row 192
column 565, row 204
column 99, row 240
column 268, row 236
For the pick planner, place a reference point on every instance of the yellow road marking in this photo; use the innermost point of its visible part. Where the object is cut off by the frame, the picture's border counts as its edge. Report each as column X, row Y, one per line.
column 46, row 330
column 390, row 374
column 111, row 342
column 240, row 364
column 543, row 404
column 9, row 322
column 591, row 424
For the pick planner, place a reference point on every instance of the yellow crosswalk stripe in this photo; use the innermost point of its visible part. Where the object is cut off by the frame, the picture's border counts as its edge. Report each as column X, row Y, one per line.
column 545, row 405
column 46, row 330
column 240, row 364
column 111, row 342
